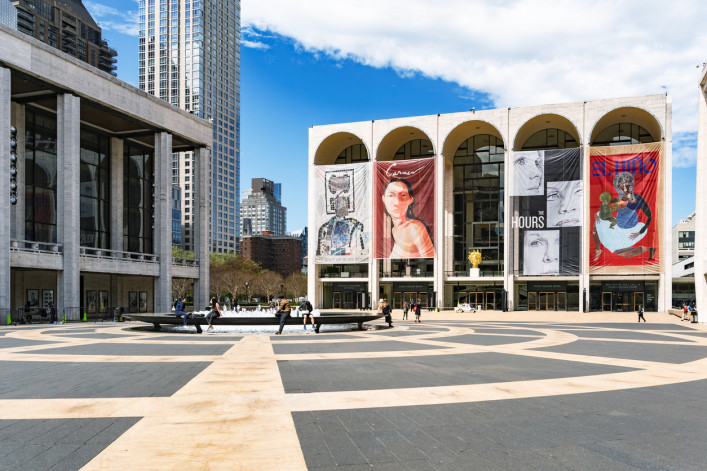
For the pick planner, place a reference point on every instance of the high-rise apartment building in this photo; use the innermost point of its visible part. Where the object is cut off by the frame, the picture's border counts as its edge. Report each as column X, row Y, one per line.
column 8, row 14
column 67, row 26
column 189, row 56
column 261, row 210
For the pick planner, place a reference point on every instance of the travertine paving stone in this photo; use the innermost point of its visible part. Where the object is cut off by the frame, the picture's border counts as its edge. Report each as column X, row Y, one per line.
column 549, row 391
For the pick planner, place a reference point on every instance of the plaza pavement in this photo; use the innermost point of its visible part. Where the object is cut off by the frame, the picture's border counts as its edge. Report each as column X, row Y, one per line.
column 491, row 390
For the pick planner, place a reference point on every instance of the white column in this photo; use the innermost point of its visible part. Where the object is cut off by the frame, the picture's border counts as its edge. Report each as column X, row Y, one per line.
column 586, row 217
column 5, row 211
column 68, row 136
column 162, row 232
column 507, row 180
column 313, row 289
column 665, row 287
column 701, row 204
column 200, row 224
column 440, row 245
column 117, row 190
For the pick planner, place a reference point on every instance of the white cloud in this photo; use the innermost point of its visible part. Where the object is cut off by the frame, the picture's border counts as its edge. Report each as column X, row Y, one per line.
column 112, row 19
column 685, row 149
column 521, row 52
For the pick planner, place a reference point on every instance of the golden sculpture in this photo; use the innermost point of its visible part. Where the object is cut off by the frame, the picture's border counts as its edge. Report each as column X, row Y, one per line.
column 475, row 258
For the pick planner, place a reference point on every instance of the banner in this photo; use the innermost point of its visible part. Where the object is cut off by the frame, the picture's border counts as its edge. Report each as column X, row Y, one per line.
column 546, row 212
column 342, row 216
column 626, row 209
column 404, row 208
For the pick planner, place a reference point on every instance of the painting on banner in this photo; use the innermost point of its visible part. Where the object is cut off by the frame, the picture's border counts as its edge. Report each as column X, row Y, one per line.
column 342, row 213
column 546, row 212
column 404, row 208
column 626, row 208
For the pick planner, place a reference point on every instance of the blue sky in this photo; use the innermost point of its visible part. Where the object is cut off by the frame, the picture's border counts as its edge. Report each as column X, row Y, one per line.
column 325, row 61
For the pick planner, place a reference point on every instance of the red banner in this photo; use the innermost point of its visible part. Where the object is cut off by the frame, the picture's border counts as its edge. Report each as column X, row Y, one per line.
column 404, row 208
column 626, row 209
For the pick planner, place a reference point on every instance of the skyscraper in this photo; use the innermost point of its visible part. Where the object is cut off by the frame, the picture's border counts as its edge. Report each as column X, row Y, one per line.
column 262, row 210
column 189, row 55
column 67, row 26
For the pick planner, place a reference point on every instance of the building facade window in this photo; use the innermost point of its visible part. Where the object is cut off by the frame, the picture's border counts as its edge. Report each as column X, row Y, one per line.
column 551, row 138
column 95, row 190
column 40, row 176
column 478, row 203
column 352, row 154
column 415, row 149
column 622, row 134
column 138, row 210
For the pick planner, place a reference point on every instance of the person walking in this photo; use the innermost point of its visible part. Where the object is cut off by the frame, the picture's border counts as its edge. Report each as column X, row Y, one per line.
column 684, row 311
column 306, row 309
column 640, row 314
column 283, row 313
column 215, row 312
column 406, row 308
column 179, row 310
column 417, row 310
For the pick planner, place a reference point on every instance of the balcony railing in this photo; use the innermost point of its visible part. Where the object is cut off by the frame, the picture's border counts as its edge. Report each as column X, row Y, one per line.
column 343, row 274
column 118, row 255
column 414, row 273
column 185, row 262
column 465, row 273
column 34, row 246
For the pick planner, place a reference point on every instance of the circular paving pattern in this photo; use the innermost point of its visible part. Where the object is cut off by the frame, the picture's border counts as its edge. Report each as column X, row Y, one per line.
column 450, row 392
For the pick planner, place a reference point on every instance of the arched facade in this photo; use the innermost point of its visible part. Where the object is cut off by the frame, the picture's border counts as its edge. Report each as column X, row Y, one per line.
column 473, row 179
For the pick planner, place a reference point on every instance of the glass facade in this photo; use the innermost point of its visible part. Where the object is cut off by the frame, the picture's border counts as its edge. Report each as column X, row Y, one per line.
column 138, row 209
column 622, row 134
column 40, row 176
column 478, row 204
column 352, row 155
column 95, row 190
column 415, row 149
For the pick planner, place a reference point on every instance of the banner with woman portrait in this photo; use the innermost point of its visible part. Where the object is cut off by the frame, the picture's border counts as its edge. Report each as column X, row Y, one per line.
column 626, row 209
column 546, row 212
column 342, row 213
column 404, row 208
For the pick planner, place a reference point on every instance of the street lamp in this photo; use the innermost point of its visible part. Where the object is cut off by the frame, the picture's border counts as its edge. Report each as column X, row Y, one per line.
column 246, row 292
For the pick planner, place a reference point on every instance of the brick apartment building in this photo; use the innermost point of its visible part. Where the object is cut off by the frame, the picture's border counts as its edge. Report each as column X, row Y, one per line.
column 281, row 254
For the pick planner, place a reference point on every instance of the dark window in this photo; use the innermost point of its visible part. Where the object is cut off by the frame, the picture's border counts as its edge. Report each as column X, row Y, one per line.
column 352, row 154
column 95, row 190
column 550, row 138
column 478, row 203
column 623, row 134
column 40, row 176
column 415, row 149
column 138, row 207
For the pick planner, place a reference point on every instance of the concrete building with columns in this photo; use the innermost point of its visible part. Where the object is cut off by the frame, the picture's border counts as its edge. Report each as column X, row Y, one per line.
column 92, row 228
column 701, row 201
column 474, row 164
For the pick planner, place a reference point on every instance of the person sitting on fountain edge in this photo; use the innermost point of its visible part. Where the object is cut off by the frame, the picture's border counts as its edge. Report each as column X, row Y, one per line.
column 283, row 313
column 179, row 309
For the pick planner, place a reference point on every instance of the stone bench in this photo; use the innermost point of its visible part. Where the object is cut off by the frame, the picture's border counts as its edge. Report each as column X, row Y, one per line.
column 157, row 320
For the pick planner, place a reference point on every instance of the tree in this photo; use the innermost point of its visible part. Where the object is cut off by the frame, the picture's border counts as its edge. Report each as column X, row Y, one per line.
column 181, row 287
column 229, row 272
column 178, row 252
column 269, row 284
column 296, row 284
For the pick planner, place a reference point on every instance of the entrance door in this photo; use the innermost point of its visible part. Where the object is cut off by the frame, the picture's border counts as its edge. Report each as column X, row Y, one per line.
column 606, row 301
column 423, row 299
column 562, row 301
column 337, row 300
column 397, row 300
column 533, row 301
column 490, row 301
column 547, row 301
column 638, row 300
